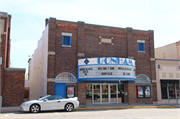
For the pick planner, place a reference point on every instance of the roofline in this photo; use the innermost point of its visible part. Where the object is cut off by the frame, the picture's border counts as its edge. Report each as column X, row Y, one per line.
column 81, row 22
column 15, row 69
column 167, row 44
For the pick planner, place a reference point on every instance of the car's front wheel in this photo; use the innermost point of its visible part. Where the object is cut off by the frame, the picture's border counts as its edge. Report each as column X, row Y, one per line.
column 35, row 108
column 69, row 107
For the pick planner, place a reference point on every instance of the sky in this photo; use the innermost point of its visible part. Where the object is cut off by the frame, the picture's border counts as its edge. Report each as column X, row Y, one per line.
column 28, row 20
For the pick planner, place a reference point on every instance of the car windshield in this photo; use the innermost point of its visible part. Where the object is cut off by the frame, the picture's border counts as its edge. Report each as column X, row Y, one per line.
column 51, row 97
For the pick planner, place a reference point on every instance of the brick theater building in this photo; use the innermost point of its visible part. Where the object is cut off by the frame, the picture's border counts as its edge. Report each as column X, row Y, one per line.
column 11, row 79
column 98, row 64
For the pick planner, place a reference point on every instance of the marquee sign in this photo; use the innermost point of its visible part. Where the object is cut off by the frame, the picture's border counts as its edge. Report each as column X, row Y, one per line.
column 106, row 68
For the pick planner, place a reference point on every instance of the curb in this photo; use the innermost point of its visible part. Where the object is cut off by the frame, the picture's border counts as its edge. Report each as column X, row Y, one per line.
column 99, row 108
column 9, row 110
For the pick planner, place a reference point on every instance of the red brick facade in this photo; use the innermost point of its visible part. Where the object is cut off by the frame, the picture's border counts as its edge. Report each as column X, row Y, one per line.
column 86, row 39
column 11, row 80
column 13, row 94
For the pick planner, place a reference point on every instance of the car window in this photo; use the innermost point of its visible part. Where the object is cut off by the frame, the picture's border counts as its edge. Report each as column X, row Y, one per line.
column 51, row 97
column 54, row 97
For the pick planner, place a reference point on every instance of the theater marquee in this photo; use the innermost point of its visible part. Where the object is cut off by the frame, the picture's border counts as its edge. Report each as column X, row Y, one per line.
column 106, row 68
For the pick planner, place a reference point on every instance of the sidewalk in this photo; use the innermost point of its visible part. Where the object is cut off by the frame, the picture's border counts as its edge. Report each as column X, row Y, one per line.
column 105, row 106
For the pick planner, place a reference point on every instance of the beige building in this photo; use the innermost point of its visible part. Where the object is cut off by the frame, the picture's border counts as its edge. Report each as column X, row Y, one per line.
column 168, row 73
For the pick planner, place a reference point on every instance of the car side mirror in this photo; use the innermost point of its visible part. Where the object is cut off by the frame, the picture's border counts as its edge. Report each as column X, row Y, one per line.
column 45, row 100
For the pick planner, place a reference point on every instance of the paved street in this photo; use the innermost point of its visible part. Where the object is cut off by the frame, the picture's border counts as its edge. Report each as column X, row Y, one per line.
column 156, row 113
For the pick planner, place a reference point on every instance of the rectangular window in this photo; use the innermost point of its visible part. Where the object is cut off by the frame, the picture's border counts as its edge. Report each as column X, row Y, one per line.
column 164, row 91
column 66, row 40
column 141, row 46
column 158, row 66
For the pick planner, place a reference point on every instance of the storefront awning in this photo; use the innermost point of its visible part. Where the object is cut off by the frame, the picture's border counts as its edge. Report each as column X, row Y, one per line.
column 169, row 81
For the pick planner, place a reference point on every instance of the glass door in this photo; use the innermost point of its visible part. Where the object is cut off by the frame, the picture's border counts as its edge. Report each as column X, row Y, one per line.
column 105, row 93
column 172, row 93
column 88, row 93
column 120, row 93
column 96, row 93
column 113, row 94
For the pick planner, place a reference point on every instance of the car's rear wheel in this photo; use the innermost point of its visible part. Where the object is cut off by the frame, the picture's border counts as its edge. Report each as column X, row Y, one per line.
column 35, row 108
column 69, row 107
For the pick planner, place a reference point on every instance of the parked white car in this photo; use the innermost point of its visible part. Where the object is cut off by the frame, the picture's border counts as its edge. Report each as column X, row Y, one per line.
column 49, row 102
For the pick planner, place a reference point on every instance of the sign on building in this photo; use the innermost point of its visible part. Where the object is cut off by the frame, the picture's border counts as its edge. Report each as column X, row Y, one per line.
column 106, row 68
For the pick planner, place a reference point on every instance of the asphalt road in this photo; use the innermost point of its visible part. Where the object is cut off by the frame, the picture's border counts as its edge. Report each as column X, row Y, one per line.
column 155, row 113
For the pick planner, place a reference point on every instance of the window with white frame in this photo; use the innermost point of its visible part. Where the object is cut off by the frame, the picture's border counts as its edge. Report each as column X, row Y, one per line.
column 142, row 78
column 65, row 77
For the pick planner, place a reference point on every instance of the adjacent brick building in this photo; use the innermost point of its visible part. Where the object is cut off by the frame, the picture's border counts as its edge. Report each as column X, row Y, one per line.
column 11, row 79
column 98, row 64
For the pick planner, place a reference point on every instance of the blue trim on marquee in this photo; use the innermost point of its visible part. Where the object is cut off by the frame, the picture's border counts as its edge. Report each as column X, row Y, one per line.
column 65, row 82
column 144, row 82
column 107, row 78
column 107, row 64
column 107, row 82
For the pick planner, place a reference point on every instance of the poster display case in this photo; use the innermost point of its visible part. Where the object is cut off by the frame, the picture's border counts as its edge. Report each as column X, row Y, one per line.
column 70, row 91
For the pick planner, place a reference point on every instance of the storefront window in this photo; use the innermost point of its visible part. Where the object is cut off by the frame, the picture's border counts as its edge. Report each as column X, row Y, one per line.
column 177, row 88
column 170, row 90
column 164, row 91
column 88, row 93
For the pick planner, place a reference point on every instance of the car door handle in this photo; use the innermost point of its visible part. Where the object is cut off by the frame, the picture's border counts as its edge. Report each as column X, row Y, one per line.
column 58, row 101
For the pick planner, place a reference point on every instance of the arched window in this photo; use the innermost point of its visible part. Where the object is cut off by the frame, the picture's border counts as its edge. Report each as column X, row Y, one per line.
column 142, row 78
column 65, row 77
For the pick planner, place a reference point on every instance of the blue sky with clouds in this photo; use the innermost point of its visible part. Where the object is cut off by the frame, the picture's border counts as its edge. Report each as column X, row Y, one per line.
column 28, row 19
